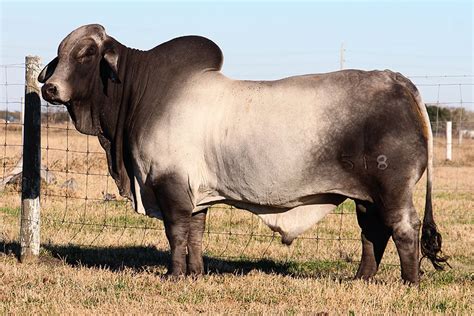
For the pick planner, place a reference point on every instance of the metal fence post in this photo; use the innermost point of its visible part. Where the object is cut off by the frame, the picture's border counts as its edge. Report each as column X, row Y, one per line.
column 31, row 180
column 449, row 142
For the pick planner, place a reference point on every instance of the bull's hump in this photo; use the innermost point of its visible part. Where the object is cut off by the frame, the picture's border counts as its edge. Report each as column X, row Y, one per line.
column 192, row 53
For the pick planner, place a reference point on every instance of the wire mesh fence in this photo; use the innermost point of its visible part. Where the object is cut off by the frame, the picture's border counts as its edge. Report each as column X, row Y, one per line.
column 80, row 204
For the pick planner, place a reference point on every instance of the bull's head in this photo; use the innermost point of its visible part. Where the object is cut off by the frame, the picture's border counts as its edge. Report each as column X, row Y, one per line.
column 87, row 59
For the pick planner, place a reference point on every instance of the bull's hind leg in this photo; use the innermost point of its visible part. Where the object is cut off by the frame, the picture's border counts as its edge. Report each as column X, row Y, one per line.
column 196, row 231
column 374, row 237
column 405, row 226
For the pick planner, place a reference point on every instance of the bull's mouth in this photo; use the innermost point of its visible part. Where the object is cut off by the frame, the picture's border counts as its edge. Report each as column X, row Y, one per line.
column 54, row 102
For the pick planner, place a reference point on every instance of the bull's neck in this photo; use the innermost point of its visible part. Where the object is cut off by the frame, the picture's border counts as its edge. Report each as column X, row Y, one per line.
column 124, row 97
column 133, row 71
column 117, row 115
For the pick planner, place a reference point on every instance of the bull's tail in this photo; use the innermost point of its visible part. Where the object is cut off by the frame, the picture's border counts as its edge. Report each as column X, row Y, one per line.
column 431, row 240
column 430, row 237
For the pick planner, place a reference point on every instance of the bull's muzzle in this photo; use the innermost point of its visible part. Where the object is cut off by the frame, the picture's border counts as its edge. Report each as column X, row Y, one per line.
column 50, row 93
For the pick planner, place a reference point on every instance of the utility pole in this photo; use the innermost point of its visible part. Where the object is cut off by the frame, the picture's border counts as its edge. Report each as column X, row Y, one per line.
column 342, row 60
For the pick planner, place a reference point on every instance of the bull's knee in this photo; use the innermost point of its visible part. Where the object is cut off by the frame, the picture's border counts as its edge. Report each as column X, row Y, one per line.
column 405, row 232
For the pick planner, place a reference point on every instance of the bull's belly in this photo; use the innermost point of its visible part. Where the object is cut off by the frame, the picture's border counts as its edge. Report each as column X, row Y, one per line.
column 295, row 221
column 289, row 222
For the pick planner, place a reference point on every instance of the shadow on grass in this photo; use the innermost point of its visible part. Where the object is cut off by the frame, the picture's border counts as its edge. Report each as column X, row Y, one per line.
column 10, row 248
column 140, row 258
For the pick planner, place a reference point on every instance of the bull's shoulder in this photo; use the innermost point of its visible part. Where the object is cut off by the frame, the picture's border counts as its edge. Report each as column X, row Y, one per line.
column 190, row 53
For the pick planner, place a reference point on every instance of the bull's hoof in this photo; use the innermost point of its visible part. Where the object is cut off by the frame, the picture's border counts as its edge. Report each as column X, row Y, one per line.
column 366, row 273
column 195, row 267
column 174, row 276
column 195, row 276
column 411, row 282
column 366, row 278
column 195, row 272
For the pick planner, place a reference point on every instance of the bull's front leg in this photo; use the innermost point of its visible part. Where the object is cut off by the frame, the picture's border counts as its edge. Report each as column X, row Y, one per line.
column 177, row 227
column 184, row 230
column 195, row 234
column 173, row 197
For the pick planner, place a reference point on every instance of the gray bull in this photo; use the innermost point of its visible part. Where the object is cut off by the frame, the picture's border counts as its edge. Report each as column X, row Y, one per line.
column 180, row 136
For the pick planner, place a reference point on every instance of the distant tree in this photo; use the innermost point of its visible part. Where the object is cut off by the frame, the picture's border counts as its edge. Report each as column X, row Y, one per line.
column 10, row 116
column 438, row 113
column 54, row 115
column 460, row 116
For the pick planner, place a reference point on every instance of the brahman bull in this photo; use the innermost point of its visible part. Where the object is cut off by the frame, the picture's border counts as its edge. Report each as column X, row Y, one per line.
column 180, row 136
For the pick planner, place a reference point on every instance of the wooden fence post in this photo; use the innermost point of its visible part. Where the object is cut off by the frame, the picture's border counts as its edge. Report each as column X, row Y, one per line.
column 31, row 180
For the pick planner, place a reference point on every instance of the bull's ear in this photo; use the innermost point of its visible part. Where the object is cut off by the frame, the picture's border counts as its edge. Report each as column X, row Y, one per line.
column 111, row 57
column 48, row 71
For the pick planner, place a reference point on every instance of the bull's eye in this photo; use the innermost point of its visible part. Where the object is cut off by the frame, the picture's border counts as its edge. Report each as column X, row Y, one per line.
column 90, row 51
column 86, row 55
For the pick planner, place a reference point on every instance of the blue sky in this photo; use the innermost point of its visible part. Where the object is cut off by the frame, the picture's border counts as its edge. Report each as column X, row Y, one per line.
column 270, row 39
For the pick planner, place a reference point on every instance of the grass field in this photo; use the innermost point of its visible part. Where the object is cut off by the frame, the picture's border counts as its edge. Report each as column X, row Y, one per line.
column 99, row 256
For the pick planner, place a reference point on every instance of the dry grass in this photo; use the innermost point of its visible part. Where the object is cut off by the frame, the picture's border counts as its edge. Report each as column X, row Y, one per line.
column 100, row 257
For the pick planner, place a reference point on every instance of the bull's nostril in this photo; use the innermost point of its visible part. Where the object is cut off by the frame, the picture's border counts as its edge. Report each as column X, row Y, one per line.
column 51, row 89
